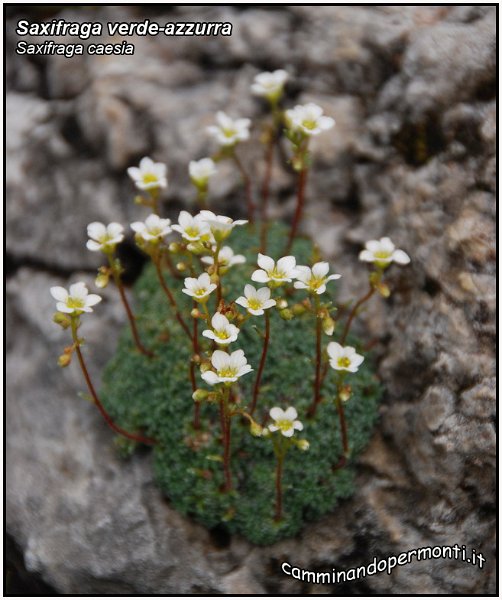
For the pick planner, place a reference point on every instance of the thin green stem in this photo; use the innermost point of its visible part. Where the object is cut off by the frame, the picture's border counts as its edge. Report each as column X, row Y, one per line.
column 265, row 190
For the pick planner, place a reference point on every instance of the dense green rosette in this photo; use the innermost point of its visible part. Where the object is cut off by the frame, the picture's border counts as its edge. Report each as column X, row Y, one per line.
column 155, row 395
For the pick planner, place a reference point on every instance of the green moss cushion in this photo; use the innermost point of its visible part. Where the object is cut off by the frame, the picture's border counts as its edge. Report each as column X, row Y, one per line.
column 154, row 395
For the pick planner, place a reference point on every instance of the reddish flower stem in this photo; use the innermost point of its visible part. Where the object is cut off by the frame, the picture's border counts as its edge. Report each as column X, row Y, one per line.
column 109, row 421
column 196, row 414
column 171, row 299
column 343, row 426
column 300, row 201
column 353, row 312
column 131, row 317
column 278, row 488
column 317, row 380
column 266, row 342
column 247, row 185
column 265, row 191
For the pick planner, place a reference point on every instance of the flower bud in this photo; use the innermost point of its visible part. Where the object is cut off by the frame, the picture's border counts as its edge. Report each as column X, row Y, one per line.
column 65, row 359
column 102, row 280
column 383, row 289
column 286, row 314
column 303, row 444
column 200, row 395
column 195, row 313
column 62, row 319
column 181, row 266
column 281, row 303
column 345, row 393
column 174, row 247
column 298, row 309
column 256, row 429
column 196, row 248
column 328, row 325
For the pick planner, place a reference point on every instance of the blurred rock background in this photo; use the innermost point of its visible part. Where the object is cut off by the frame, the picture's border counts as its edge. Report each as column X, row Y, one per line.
column 412, row 156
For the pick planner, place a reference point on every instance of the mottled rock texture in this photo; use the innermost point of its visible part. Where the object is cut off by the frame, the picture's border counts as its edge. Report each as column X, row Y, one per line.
column 413, row 156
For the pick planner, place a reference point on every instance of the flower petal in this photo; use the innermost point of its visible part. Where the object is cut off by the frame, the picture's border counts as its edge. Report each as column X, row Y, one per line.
column 59, row 293
column 276, row 413
column 210, row 377
column 400, row 257
column 265, row 262
column 260, row 276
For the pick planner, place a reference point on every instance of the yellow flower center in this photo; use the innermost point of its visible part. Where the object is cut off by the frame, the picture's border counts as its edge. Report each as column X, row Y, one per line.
column 155, row 231
column 344, row 362
column 381, row 254
column 150, row 178
column 284, row 424
column 75, row 303
column 227, row 372
column 192, row 231
column 309, row 124
column 200, row 292
column 229, row 132
column 275, row 273
column 254, row 303
column 316, row 282
column 222, row 334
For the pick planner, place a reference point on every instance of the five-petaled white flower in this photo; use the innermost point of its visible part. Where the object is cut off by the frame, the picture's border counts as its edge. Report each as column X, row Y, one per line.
column 201, row 170
column 104, row 237
column 256, row 301
column 382, row 252
column 229, row 131
column 221, row 226
column 314, row 279
column 222, row 332
column 75, row 301
column 191, row 228
column 308, row 119
column 285, row 421
column 154, row 229
column 282, row 272
column 226, row 258
column 149, row 175
column 228, row 367
column 270, row 85
column 199, row 288
column 344, row 358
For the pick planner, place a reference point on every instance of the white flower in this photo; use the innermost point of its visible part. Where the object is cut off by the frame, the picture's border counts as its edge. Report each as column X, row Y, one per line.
column 270, row 85
column 314, row 279
column 228, row 367
column 256, row 301
column 104, row 237
column 223, row 331
column 153, row 229
column 221, row 226
column 308, row 119
column 76, row 301
column 382, row 252
column 199, row 288
column 201, row 170
column 282, row 272
column 150, row 175
column 229, row 131
column 226, row 258
column 344, row 358
column 191, row 228
column 285, row 421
